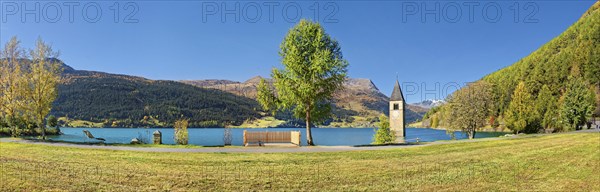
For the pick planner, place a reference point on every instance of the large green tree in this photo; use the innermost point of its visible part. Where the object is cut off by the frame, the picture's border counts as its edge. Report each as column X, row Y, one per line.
column 314, row 69
column 521, row 113
column 469, row 109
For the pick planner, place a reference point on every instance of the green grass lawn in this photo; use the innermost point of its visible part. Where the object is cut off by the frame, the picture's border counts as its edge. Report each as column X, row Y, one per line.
column 560, row 162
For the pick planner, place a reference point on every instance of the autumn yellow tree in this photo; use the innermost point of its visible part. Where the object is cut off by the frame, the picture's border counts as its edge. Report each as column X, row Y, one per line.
column 41, row 87
column 521, row 113
column 180, row 135
column 11, row 81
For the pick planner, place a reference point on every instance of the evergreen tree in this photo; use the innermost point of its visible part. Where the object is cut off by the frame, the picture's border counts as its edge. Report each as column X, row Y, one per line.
column 551, row 118
column 546, row 106
column 577, row 105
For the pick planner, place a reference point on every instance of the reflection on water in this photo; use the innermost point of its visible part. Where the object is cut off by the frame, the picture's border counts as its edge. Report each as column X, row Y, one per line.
column 214, row 136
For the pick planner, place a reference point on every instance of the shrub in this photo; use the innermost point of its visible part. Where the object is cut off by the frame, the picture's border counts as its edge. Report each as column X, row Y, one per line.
column 181, row 132
column 5, row 131
column 16, row 132
column 52, row 121
column 384, row 134
column 145, row 137
column 227, row 136
column 52, row 131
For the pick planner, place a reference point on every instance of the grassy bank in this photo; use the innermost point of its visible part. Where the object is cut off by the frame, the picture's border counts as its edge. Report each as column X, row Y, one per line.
column 568, row 162
column 7, row 132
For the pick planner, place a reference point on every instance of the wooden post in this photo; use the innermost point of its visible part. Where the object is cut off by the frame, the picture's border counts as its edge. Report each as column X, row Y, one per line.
column 299, row 138
column 157, row 137
column 295, row 137
column 245, row 142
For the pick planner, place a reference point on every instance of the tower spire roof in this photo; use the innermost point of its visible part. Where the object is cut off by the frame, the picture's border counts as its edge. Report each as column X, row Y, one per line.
column 397, row 93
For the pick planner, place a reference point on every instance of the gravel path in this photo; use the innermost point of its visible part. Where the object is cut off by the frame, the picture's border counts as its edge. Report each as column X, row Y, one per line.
column 272, row 149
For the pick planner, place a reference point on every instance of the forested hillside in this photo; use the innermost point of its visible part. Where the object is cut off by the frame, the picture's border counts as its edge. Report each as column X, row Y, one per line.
column 573, row 54
column 554, row 88
column 127, row 101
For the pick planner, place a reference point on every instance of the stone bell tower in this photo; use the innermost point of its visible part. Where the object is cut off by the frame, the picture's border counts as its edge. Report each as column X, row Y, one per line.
column 397, row 113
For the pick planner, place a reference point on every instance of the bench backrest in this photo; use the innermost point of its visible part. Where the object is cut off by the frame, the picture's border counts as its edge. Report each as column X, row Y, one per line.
column 272, row 137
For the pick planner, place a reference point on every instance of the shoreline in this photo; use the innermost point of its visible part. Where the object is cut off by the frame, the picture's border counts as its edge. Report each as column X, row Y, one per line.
column 273, row 149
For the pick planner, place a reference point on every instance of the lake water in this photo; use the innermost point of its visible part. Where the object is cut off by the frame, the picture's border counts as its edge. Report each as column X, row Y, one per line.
column 214, row 136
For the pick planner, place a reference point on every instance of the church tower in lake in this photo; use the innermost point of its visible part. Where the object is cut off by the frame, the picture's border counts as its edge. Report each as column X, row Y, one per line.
column 397, row 109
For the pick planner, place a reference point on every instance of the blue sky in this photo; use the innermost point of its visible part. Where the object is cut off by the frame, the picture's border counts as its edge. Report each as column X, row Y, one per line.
column 184, row 40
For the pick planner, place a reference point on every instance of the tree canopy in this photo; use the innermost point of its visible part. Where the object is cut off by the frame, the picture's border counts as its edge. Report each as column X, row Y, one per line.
column 469, row 108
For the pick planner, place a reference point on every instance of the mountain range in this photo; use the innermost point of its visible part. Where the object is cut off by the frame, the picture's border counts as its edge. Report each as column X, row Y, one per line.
column 429, row 103
column 358, row 105
column 98, row 99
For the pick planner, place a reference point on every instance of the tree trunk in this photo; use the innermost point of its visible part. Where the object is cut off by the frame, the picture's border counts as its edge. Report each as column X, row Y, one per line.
column 309, row 140
column 471, row 133
column 42, row 126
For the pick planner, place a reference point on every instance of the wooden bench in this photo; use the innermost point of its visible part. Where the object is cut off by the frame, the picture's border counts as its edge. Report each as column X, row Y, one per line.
column 261, row 138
